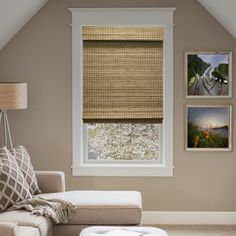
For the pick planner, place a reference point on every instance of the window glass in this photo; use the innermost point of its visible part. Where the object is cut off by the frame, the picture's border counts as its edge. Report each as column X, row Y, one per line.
column 124, row 141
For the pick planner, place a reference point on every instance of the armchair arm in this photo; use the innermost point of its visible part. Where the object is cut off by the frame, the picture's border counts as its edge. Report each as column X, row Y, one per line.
column 8, row 229
column 51, row 181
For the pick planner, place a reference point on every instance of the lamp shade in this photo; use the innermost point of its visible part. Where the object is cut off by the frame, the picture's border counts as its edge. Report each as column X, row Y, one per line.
column 13, row 96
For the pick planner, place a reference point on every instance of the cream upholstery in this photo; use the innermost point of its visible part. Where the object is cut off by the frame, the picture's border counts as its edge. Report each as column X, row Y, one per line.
column 13, row 229
column 94, row 208
column 51, row 181
column 68, row 230
column 28, row 231
column 103, row 207
column 25, row 218
column 8, row 229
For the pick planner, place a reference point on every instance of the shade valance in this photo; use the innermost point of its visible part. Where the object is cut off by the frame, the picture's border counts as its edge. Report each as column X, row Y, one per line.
column 123, row 33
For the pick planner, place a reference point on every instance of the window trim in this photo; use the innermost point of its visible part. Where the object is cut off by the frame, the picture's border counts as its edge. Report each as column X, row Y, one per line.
column 121, row 16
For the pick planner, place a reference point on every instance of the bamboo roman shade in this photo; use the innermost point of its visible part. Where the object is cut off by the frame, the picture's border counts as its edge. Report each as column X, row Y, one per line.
column 122, row 73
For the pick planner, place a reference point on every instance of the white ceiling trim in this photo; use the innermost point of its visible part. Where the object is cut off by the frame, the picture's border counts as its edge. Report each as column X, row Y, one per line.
column 223, row 11
column 14, row 14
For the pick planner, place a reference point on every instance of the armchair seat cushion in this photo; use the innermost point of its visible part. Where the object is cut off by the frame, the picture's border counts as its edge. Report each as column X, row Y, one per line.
column 102, row 207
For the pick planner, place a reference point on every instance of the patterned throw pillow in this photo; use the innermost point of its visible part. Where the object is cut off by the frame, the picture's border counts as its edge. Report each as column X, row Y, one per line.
column 13, row 186
column 23, row 160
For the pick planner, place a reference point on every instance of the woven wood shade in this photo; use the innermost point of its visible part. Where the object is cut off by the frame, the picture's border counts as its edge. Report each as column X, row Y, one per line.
column 122, row 75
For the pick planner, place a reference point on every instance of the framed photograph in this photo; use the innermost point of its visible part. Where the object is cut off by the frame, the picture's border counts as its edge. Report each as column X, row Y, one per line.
column 208, row 74
column 208, row 128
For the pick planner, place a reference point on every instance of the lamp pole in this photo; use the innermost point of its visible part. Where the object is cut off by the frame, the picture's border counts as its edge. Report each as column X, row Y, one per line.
column 6, row 127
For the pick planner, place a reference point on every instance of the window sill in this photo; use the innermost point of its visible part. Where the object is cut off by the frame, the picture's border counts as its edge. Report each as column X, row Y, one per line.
column 122, row 170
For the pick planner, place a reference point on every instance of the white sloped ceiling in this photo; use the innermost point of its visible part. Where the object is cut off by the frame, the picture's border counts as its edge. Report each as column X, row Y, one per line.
column 223, row 11
column 14, row 14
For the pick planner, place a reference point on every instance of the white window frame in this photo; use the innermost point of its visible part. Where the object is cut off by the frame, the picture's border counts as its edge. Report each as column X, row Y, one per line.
column 121, row 16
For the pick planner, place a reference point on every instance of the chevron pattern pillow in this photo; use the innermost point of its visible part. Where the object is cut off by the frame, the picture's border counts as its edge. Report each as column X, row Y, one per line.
column 13, row 186
column 24, row 162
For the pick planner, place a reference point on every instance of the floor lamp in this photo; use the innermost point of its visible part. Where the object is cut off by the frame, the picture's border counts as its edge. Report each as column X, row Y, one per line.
column 12, row 96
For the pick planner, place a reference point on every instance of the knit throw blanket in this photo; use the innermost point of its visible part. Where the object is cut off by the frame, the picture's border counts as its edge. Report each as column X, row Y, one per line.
column 57, row 210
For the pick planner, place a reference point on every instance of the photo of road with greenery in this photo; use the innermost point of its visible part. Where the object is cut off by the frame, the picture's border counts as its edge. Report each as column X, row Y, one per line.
column 208, row 127
column 208, row 74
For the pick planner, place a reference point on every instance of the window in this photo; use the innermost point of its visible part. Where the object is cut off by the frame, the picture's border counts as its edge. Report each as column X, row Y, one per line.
column 139, row 145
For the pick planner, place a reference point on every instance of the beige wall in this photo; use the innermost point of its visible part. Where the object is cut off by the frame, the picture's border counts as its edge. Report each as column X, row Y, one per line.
column 40, row 54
